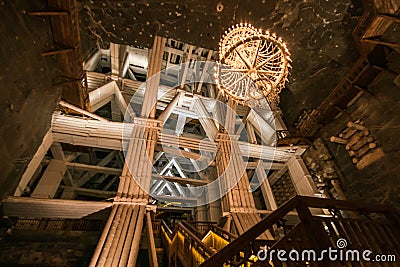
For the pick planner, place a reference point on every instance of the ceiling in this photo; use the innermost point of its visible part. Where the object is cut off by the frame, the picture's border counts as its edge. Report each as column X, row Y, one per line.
column 318, row 34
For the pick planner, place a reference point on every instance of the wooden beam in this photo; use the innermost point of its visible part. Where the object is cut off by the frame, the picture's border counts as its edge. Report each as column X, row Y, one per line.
column 79, row 131
column 179, row 180
column 49, row 13
column 301, row 177
column 153, row 78
column 186, row 65
column 87, row 176
column 93, row 168
column 266, row 189
column 186, row 154
column 389, row 17
column 266, row 165
column 205, row 118
column 176, row 199
column 152, row 245
column 203, row 73
column 123, row 105
column 90, row 192
column 79, row 110
column 34, row 163
column 277, row 175
column 51, row 179
column 372, row 40
column 102, row 95
column 58, row 154
column 263, row 129
column 168, row 110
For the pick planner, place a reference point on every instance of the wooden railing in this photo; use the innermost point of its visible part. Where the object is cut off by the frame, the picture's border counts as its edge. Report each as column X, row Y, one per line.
column 156, row 226
column 364, row 226
column 185, row 245
column 201, row 226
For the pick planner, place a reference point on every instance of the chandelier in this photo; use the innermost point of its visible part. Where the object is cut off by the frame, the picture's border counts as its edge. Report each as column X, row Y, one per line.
column 252, row 64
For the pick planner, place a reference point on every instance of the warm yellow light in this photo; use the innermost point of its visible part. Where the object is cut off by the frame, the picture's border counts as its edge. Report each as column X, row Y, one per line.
column 252, row 62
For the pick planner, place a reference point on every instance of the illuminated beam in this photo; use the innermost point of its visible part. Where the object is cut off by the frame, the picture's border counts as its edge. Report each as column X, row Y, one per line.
column 34, row 163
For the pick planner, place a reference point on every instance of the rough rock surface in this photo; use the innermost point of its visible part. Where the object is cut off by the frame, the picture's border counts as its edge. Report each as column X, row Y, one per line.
column 27, row 95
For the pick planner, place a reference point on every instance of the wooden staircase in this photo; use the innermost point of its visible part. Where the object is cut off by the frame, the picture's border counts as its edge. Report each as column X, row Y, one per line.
column 302, row 223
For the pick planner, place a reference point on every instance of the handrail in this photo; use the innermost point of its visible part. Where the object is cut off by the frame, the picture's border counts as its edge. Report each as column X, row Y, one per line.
column 192, row 236
column 223, row 233
column 302, row 205
column 236, row 245
column 168, row 230
column 197, row 240
column 192, row 229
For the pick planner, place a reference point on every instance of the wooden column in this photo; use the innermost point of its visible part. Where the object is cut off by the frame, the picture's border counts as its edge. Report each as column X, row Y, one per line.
column 119, row 242
column 152, row 245
column 139, row 161
column 153, row 78
column 233, row 176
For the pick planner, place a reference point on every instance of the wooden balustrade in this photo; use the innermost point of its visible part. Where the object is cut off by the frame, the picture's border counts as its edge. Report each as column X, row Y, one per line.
column 186, row 245
column 374, row 227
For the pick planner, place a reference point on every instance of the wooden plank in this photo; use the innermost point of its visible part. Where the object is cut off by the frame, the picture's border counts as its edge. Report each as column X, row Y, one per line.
column 50, row 208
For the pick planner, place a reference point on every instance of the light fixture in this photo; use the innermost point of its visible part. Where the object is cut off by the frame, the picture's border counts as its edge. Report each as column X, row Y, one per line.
column 252, row 64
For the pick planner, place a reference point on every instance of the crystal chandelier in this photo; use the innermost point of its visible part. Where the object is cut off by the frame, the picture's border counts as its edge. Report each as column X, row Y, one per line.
column 252, row 64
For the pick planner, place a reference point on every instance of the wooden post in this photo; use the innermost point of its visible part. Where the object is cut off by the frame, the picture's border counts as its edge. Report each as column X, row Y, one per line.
column 152, row 245
column 338, row 140
column 103, row 237
column 134, row 250
column 153, row 78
